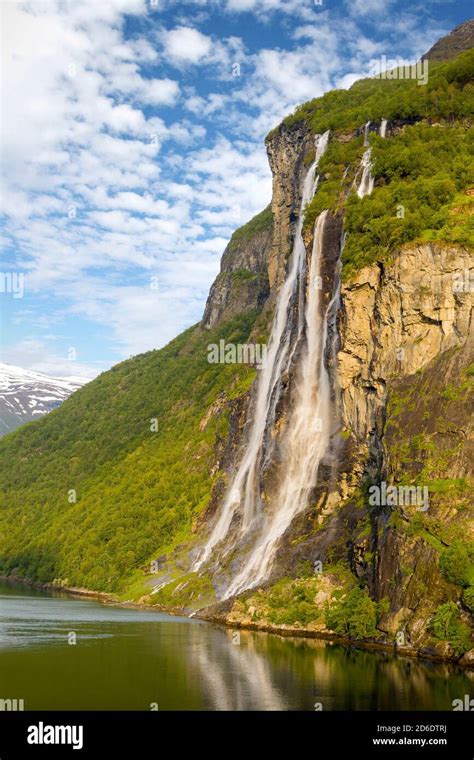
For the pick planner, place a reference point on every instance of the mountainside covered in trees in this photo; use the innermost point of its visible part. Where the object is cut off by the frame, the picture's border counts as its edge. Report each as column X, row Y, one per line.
column 119, row 488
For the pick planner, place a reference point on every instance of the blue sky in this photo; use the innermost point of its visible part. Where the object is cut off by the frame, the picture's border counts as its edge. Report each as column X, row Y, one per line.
column 132, row 141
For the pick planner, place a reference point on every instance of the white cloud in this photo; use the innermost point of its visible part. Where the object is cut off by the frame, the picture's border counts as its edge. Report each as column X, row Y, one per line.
column 157, row 91
column 206, row 106
column 185, row 45
column 264, row 8
column 38, row 356
column 369, row 7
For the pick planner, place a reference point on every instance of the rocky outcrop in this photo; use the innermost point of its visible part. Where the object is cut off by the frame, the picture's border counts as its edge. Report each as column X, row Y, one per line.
column 406, row 343
column 254, row 264
column 242, row 284
column 288, row 149
column 394, row 320
column 457, row 41
column 428, row 439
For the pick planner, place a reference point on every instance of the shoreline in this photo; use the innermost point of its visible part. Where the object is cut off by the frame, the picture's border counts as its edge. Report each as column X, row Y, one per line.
column 71, row 590
column 374, row 646
column 283, row 631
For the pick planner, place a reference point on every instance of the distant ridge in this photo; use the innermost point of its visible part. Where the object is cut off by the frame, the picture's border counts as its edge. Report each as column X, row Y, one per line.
column 27, row 395
column 454, row 43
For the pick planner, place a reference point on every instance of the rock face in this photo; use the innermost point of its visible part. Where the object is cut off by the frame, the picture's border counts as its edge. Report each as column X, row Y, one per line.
column 287, row 149
column 406, row 339
column 254, row 264
column 394, row 321
column 242, row 283
column 459, row 40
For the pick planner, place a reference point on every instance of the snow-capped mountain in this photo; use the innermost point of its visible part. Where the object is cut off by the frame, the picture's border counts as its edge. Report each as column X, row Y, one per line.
column 27, row 395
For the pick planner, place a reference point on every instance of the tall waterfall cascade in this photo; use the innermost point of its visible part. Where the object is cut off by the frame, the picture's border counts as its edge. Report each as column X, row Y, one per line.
column 308, row 432
column 302, row 337
column 243, row 495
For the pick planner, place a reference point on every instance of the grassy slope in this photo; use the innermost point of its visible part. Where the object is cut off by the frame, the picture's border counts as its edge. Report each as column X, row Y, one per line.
column 137, row 490
column 421, row 175
column 261, row 221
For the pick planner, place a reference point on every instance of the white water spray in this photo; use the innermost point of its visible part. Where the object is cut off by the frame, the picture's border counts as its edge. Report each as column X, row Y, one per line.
column 244, row 493
column 366, row 184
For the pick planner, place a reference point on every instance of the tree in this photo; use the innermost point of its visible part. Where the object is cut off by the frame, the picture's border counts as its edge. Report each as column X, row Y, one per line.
column 456, row 564
column 447, row 626
column 355, row 615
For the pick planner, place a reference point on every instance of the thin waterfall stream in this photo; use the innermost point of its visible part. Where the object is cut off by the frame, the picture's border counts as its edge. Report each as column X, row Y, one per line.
column 366, row 184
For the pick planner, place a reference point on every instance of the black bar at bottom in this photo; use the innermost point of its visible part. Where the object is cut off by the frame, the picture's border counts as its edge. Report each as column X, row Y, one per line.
column 118, row 734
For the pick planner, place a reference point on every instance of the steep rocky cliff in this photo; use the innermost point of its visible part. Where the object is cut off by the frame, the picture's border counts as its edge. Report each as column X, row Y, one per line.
column 406, row 340
column 402, row 383
column 404, row 328
column 242, row 283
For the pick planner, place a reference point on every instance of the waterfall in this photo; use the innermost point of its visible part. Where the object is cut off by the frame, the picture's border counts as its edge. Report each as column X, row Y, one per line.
column 366, row 184
column 308, row 430
column 303, row 340
column 244, row 493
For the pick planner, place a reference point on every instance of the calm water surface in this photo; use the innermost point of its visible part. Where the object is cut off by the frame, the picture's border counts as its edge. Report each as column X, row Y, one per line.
column 128, row 659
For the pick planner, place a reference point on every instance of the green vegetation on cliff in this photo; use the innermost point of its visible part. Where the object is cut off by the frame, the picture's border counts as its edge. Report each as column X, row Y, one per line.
column 457, row 564
column 354, row 615
column 421, row 175
column 448, row 94
column 447, row 626
column 422, row 172
column 258, row 223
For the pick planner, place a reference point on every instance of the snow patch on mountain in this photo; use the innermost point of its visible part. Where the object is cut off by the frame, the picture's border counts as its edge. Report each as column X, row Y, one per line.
column 26, row 395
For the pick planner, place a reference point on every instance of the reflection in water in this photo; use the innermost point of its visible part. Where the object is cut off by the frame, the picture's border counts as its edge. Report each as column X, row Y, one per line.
column 253, row 687
column 128, row 659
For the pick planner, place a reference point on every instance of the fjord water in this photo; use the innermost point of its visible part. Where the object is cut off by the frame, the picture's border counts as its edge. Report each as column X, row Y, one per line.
column 129, row 659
